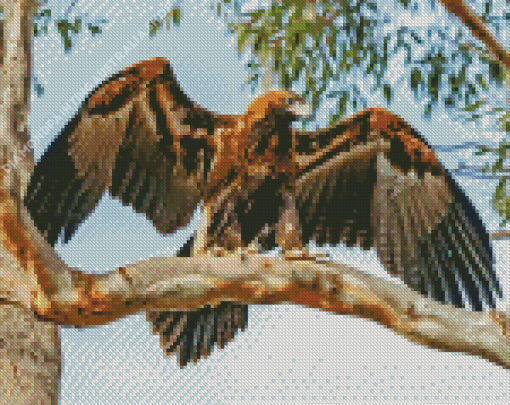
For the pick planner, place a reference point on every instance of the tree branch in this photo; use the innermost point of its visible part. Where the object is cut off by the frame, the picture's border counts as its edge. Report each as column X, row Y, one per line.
column 459, row 9
column 69, row 297
column 500, row 234
column 191, row 282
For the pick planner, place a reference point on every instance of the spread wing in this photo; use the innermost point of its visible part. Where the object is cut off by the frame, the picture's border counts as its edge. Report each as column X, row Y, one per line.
column 372, row 181
column 137, row 136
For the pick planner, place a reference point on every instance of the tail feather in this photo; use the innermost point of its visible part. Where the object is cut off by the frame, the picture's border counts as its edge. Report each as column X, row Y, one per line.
column 194, row 334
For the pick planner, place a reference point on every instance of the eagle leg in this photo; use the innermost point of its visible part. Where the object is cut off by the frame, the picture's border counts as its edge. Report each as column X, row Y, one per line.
column 200, row 244
column 289, row 234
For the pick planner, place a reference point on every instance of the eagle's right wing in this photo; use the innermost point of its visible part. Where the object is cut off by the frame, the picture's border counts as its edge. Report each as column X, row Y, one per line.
column 139, row 137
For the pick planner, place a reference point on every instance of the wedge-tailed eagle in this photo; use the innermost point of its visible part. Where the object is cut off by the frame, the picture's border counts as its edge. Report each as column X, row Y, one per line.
column 368, row 181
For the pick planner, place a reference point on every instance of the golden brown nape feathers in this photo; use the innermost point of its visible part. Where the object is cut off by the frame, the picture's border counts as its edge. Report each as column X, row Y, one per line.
column 260, row 136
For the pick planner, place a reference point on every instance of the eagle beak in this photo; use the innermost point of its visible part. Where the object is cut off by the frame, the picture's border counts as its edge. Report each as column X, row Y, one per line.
column 301, row 109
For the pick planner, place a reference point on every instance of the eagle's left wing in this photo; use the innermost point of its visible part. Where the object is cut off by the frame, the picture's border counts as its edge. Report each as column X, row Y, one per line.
column 372, row 181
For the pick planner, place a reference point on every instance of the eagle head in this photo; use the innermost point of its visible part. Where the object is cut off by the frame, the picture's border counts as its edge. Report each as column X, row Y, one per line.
column 269, row 117
column 277, row 104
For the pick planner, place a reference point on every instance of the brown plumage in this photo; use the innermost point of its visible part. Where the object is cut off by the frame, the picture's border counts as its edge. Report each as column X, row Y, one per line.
column 369, row 181
column 139, row 137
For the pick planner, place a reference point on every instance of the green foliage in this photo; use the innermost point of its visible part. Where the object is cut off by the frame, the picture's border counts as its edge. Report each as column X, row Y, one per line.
column 501, row 198
column 336, row 36
column 173, row 17
column 38, row 89
column 501, row 201
column 94, row 29
column 416, row 80
column 475, row 106
column 496, row 72
column 387, row 93
column 505, row 122
column 66, row 27
column 154, row 26
column 304, row 43
column 41, row 22
column 320, row 42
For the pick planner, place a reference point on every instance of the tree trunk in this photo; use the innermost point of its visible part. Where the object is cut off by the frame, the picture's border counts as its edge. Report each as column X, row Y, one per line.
column 29, row 348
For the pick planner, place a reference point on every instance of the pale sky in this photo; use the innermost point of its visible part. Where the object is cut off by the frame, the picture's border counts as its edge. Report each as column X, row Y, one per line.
column 288, row 354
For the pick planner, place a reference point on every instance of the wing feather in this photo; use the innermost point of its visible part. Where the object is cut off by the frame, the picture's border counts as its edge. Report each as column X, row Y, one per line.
column 139, row 137
column 73, row 173
column 376, row 183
